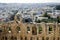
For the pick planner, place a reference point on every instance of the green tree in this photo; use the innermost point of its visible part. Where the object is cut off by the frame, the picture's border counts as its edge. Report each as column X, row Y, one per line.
column 45, row 15
column 57, row 7
column 58, row 19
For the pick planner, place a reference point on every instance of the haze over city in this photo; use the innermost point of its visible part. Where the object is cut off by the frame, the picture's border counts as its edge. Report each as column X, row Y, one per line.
column 29, row 1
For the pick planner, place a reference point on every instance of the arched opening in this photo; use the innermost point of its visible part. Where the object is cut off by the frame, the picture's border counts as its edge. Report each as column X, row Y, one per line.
column 21, row 38
column 50, row 29
column 9, row 29
column 42, row 38
column 34, row 30
column 2, row 38
column 58, row 38
column 31, row 38
column 25, row 38
column 47, row 38
column 28, row 29
column 18, row 29
column 0, row 30
column 12, row 38
column 53, row 38
column 18, row 17
column 39, row 29
column 37, row 38
column 5, row 38
column 15, row 38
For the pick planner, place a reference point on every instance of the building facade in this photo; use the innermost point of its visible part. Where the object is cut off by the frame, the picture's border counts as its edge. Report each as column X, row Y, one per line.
column 17, row 30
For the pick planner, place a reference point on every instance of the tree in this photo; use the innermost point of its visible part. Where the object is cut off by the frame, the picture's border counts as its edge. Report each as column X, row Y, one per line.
column 45, row 15
column 58, row 19
column 57, row 7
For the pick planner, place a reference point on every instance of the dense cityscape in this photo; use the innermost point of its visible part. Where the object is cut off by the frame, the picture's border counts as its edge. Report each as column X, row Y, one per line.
column 30, row 21
column 40, row 12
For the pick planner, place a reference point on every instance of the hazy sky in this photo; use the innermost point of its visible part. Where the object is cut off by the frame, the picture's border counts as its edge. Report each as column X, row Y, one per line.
column 29, row 1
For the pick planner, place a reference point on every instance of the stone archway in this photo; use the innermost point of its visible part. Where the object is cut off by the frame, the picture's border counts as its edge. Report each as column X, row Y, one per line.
column 4, row 38
column 13, row 38
column 21, row 38
column 34, row 30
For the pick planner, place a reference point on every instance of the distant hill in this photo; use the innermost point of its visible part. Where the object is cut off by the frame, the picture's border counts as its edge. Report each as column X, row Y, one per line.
column 23, row 5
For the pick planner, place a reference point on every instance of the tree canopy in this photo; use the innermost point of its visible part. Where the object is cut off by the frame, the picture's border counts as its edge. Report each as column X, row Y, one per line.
column 57, row 7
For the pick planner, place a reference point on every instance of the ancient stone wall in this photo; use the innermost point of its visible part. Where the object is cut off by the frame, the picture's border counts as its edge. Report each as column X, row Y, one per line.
column 29, row 31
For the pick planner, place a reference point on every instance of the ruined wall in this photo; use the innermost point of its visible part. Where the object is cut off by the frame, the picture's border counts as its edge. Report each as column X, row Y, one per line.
column 27, row 31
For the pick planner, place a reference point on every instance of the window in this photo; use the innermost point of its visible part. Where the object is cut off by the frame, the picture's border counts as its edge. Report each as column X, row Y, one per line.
column 18, row 29
column 40, row 29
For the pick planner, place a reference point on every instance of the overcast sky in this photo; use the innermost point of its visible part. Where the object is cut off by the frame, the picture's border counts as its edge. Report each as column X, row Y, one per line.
column 29, row 1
